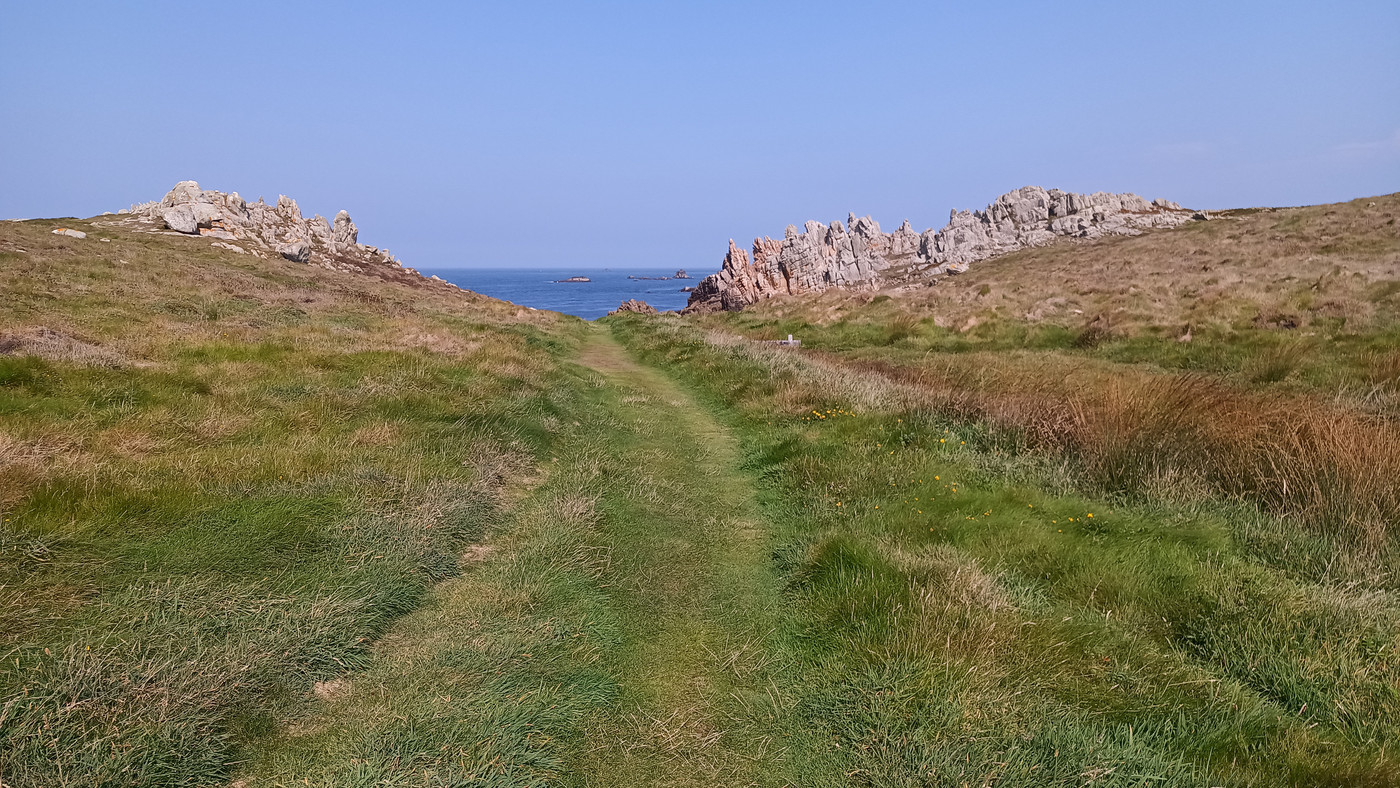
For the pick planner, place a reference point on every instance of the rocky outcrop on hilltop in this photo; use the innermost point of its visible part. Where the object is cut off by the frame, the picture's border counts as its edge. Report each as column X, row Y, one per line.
column 268, row 231
column 858, row 255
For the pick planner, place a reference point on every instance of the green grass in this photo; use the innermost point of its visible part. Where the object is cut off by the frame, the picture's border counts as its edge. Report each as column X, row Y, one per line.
column 620, row 630
column 1000, row 633
column 266, row 525
column 200, row 519
column 1302, row 425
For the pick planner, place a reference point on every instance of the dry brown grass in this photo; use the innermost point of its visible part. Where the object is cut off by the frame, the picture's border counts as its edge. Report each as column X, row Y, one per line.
column 137, row 296
column 1134, row 430
column 1130, row 429
column 1384, row 368
column 52, row 345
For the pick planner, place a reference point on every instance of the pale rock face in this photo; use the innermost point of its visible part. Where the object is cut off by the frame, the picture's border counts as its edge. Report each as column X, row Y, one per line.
column 205, row 214
column 345, row 232
column 287, row 208
column 296, row 251
column 819, row 256
column 180, row 219
column 184, row 192
column 264, row 230
column 319, row 228
column 904, row 241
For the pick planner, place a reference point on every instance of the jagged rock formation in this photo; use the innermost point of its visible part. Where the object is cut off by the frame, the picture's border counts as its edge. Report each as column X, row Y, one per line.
column 633, row 305
column 268, row 230
column 823, row 256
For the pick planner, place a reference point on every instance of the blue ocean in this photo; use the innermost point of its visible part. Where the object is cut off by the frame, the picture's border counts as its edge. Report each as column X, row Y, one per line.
column 541, row 288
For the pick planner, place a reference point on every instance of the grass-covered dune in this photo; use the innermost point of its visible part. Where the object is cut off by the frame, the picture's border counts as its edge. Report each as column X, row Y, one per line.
column 222, row 477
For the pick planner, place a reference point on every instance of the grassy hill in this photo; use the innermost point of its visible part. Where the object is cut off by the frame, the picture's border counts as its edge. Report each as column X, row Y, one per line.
column 266, row 524
column 222, row 477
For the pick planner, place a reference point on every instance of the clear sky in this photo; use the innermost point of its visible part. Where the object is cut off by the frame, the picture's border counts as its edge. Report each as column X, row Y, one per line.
column 649, row 133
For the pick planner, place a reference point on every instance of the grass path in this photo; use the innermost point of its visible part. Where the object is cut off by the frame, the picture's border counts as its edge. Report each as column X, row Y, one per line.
column 618, row 628
column 696, row 597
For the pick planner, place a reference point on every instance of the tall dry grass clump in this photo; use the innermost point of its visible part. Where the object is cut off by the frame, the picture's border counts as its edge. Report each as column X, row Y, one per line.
column 1335, row 469
column 1174, row 435
column 1332, row 468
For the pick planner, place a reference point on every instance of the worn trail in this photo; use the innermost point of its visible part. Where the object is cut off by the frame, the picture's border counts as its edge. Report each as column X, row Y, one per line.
column 617, row 628
column 697, row 600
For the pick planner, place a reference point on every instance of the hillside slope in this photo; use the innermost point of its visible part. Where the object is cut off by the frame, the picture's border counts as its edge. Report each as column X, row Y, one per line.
column 1288, row 268
column 222, row 476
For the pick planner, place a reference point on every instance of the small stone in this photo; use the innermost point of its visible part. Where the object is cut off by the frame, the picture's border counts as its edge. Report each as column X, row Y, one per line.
column 70, row 233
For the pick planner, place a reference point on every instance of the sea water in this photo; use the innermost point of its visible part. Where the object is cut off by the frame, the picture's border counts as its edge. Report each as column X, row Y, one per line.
column 541, row 288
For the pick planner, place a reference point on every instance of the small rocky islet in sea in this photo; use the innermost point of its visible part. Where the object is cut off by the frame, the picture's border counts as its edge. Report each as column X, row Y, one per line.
column 681, row 274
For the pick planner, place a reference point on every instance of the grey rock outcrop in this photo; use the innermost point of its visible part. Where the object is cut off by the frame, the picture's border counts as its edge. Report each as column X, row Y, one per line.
column 345, row 233
column 181, row 219
column 267, row 231
column 296, row 251
column 860, row 256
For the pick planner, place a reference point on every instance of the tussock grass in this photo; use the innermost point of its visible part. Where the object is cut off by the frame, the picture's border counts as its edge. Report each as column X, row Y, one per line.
column 1281, row 361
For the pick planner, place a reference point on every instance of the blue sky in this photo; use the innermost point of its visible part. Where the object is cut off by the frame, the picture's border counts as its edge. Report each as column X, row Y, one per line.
column 634, row 134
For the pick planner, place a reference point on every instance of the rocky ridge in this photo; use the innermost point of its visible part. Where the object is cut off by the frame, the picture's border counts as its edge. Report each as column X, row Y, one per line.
column 859, row 255
column 263, row 230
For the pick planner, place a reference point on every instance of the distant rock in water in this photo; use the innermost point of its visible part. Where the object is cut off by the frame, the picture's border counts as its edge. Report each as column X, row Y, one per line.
column 857, row 256
column 681, row 274
column 634, row 306
column 268, row 231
